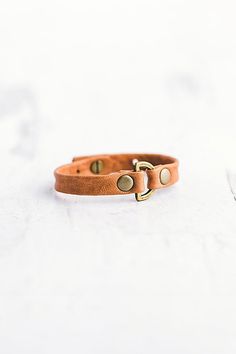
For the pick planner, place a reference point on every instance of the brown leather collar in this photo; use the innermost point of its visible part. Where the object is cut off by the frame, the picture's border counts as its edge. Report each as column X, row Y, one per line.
column 117, row 174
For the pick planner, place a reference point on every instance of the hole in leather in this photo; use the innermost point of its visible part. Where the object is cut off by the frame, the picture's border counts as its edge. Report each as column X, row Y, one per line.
column 78, row 171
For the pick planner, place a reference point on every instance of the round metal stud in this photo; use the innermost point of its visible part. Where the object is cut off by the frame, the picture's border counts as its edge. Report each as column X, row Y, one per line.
column 96, row 166
column 165, row 176
column 125, row 183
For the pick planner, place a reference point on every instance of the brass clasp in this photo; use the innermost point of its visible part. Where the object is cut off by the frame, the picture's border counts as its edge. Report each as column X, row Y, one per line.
column 137, row 167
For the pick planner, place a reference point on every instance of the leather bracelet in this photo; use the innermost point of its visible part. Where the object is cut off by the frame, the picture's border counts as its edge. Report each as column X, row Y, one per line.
column 117, row 174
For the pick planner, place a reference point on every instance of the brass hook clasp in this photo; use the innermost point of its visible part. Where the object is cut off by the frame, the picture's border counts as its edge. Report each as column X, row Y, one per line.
column 137, row 167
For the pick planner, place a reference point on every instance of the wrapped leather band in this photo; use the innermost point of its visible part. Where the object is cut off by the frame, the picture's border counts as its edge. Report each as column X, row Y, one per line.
column 78, row 177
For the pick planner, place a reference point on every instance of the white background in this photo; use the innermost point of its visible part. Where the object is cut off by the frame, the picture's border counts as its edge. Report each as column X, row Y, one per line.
column 108, row 275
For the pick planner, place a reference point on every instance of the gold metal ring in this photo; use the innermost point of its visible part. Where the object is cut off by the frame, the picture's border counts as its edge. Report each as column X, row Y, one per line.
column 137, row 167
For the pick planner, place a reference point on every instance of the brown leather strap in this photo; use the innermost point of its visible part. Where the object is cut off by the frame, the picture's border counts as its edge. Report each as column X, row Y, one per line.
column 78, row 178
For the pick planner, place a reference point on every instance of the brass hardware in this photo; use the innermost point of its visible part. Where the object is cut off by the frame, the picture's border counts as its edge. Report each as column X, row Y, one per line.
column 138, row 166
column 125, row 183
column 97, row 166
column 165, row 176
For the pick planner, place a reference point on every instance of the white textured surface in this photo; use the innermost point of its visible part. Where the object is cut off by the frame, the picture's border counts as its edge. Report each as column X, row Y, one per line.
column 109, row 275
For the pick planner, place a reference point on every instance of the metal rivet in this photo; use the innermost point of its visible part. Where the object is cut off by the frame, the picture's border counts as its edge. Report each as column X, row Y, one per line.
column 165, row 176
column 96, row 166
column 125, row 183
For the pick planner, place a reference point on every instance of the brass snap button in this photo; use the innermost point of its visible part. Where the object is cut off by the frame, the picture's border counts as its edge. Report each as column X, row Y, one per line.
column 165, row 176
column 96, row 166
column 125, row 183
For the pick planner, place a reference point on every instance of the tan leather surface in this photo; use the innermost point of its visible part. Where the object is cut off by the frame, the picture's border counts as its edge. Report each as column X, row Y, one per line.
column 77, row 177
